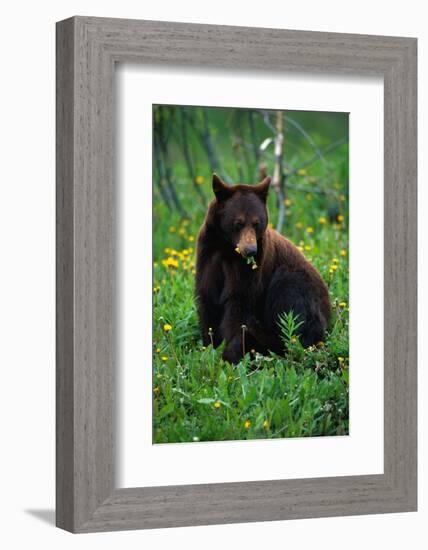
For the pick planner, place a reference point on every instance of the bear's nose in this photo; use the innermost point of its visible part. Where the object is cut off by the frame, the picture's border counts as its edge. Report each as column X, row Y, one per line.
column 250, row 250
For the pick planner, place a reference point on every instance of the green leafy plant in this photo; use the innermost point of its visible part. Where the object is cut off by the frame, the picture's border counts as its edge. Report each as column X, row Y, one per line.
column 289, row 324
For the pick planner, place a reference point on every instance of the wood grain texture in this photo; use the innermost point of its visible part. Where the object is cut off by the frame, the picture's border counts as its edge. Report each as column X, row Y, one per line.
column 87, row 50
column 64, row 276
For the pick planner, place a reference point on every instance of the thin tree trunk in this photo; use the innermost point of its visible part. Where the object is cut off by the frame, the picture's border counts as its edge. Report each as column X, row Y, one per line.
column 278, row 173
column 204, row 134
column 164, row 168
column 237, row 151
column 238, row 146
column 188, row 157
column 161, row 181
column 206, row 137
column 254, row 144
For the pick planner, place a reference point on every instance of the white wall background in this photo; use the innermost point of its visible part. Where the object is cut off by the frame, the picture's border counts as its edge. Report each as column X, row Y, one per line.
column 27, row 272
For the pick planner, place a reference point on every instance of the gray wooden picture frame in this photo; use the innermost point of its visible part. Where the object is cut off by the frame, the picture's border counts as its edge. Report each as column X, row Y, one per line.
column 87, row 51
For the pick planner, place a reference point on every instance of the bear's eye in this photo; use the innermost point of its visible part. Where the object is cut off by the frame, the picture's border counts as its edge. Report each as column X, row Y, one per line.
column 256, row 224
column 239, row 224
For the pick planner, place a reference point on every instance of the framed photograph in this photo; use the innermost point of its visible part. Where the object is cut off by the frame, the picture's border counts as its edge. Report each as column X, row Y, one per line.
column 236, row 274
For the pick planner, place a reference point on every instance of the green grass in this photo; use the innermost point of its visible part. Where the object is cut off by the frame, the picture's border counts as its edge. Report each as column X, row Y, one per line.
column 199, row 397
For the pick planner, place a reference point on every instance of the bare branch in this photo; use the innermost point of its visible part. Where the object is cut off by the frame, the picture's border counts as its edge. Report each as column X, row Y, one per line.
column 313, row 159
column 308, row 138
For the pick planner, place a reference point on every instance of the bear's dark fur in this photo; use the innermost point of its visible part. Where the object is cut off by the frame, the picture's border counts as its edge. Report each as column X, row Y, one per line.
column 230, row 293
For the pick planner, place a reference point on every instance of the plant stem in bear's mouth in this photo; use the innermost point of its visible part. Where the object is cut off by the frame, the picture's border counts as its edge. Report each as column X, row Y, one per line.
column 244, row 328
column 250, row 260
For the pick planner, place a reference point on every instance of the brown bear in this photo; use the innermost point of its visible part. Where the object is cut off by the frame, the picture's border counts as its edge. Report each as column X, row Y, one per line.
column 247, row 275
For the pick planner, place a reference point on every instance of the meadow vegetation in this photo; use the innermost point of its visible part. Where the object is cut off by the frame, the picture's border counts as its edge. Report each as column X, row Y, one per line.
column 196, row 395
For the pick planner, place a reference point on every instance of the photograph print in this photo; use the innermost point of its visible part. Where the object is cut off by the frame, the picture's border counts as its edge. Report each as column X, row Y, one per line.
column 250, row 274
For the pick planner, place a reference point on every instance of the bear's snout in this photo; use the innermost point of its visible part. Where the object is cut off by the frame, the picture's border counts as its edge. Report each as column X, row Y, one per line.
column 248, row 243
column 249, row 250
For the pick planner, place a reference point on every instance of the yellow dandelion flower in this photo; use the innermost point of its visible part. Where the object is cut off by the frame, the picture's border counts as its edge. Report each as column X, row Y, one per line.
column 307, row 247
column 184, row 222
column 156, row 390
column 266, row 425
column 247, row 424
column 193, row 271
column 343, row 253
column 167, row 327
column 301, row 172
column 298, row 225
column 156, row 289
column 335, row 261
column 309, row 230
column 157, row 350
column 333, row 267
column 238, row 250
column 191, row 238
column 181, row 231
column 217, row 404
column 340, row 359
column 164, row 358
column 322, row 220
column 199, row 180
column 172, row 229
column 342, row 304
column 287, row 202
column 340, row 218
column 170, row 262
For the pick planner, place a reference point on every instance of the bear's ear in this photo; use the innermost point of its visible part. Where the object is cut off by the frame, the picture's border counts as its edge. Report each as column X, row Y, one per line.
column 221, row 190
column 262, row 188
